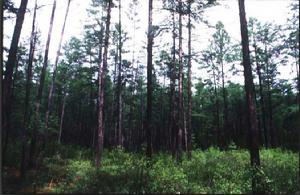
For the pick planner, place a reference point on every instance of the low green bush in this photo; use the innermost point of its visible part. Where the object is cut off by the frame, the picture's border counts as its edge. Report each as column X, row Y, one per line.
column 211, row 171
column 166, row 176
column 281, row 168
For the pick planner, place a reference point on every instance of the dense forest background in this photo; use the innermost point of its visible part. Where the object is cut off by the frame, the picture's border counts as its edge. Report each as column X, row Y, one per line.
column 106, row 102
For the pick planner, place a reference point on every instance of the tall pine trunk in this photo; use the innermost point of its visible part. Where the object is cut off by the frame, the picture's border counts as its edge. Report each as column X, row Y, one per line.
column 27, row 92
column 62, row 117
column 1, row 76
column 119, row 85
column 52, row 86
column 189, row 114
column 8, row 74
column 172, row 129
column 115, row 98
column 217, row 109
column 262, row 99
column 134, row 79
column 149, row 125
column 40, row 90
column 225, row 133
column 101, row 77
column 269, row 93
column 249, row 88
column 180, row 89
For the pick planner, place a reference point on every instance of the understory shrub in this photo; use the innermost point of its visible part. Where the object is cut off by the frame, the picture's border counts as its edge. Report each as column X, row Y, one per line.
column 71, row 170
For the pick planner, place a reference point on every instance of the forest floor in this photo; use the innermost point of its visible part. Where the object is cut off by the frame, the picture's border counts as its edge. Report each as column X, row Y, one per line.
column 69, row 169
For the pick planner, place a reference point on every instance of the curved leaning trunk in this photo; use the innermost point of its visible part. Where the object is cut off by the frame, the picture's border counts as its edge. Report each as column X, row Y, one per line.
column 52, row 86
column 40, row 89
column 62, row 117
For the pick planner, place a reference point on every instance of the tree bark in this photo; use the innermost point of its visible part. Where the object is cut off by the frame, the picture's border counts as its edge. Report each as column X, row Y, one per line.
column 134, row 72
column 217, row 109
column 1, row 76
column 62, row 117
column 52, row 86
column 40, row 89
column 8, row 74
column 115, row 98
column 297, row 61
column 225, row 109
column 189, row 114
column 141, row 135
column 101, row 76
column 119, row 94
column 298, row 76
column 150, row 36
column 172, row 129
column 180, row 89
column 249, row 88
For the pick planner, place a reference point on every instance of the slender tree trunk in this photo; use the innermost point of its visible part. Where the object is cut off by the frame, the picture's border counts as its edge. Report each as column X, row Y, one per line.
column 262, row 101
column 259, row 126
column 298, row 75
column 180, row 89
column 93, row 137
column 119, row 96
column 91, row 102
column 225, row 133
column 8, row 74
column 189, row 114
column 172, row 129
column 116, row 100
column 27, row 93
column 161, row 135
column 141, row 134
column 15, row 76
column 134, row 79
column 149, row 126
column 217, row 105
column 79, row 123
column 96, row 130
column 6, row 136
column 52, row 86
column 1, row 89
column 101, row 76
column 131, row 126
column 249, row 87
column 185, row 131
column 270, row 110
column 271, row 129
column 62, row 117
column 40, row 89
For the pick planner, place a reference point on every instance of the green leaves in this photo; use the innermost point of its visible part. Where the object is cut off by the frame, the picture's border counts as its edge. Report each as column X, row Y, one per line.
column 210, row 171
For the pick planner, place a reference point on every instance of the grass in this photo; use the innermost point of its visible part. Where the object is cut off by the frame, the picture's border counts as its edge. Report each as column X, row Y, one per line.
column 69, row 169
